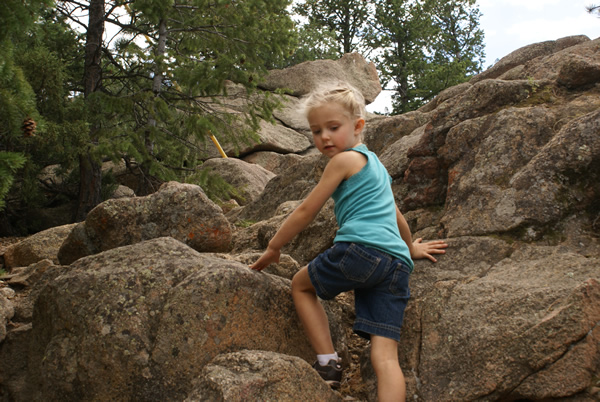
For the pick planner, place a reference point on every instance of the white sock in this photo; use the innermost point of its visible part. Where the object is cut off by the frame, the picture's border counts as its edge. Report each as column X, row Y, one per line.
column 324, row 359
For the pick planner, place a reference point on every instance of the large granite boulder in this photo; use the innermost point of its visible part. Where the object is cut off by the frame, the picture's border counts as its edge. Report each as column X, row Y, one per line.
column 249, row 180
column 181, row 211
column 301, row 79
column 522, row 167
column 515, row 328
column 141, row 322
column 37, row 247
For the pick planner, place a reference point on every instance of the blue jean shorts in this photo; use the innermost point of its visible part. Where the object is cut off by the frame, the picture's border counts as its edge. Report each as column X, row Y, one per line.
column 379, row 281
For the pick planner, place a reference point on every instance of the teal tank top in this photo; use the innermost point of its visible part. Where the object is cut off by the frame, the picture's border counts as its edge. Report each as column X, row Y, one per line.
column 365, row 209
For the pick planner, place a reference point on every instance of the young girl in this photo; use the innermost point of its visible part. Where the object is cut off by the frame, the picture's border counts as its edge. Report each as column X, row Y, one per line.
column 372, row 252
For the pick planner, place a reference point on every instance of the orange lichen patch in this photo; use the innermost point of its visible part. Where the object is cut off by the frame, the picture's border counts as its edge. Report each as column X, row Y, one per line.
column 191, row 235
column 452, row 174
column 214, row 231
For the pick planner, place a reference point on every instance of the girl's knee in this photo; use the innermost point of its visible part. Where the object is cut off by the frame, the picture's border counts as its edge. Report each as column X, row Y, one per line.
column 301, row 281
column 383, row 364
column 384, row 352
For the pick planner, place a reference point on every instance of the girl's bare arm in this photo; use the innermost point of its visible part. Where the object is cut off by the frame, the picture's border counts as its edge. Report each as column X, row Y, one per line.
column 339, row 168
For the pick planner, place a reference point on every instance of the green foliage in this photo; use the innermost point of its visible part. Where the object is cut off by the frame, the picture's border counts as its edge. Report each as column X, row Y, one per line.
column 17, row 99
column 17, row 102
column 538, row 95
column 214, row 186
column 344, row 20
column 313, row 43
column 51, row 76
column 176, row 86
column 10, row 162
column 18, row 15
column 109, row 185
column 159, row 98
column 427, row 46
column 244, row 223
column 455, row 51
column 36, row 80
column 421, row 47
column 401, row 31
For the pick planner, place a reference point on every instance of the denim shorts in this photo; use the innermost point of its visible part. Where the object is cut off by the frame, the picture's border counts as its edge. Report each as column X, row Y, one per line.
column 379, row 281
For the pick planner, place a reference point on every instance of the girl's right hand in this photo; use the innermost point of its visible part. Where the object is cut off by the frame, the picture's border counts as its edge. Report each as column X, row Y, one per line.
column 270, row 256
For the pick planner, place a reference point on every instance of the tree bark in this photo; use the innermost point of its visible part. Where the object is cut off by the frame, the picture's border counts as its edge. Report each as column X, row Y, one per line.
column 90, row 174
column 157, row 81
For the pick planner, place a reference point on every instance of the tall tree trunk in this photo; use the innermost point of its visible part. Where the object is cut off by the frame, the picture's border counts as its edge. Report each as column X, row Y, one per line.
column 157, row 80
column 90, row 174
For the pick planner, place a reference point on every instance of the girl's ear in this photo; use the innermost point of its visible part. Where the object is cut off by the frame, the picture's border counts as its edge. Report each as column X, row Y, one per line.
column 359, row 125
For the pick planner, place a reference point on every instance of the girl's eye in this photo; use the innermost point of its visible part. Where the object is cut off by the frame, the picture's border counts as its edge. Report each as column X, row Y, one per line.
column 334, row 128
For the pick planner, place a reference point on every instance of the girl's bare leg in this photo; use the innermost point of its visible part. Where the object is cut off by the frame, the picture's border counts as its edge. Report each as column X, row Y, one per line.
column 311, row 313
column 390, row 379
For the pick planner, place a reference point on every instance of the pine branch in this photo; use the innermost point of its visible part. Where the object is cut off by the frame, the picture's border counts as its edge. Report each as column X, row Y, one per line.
column 68, row 14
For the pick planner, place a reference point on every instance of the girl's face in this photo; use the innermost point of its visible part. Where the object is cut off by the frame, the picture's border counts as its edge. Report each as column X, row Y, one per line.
column 333, row 129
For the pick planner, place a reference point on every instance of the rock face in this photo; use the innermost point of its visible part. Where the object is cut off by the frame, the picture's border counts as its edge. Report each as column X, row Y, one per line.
column 505, row 167
column 508, row 329
column 520, row 57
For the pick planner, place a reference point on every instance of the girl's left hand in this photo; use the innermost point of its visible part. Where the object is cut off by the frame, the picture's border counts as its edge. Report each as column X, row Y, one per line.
column 425, row 250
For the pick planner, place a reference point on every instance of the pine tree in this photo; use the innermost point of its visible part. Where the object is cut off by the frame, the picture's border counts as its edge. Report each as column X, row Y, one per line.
column 194, row 49
column 17, row 100
column 16, row 16
column 346, row 20
column 154, row 97
column 51, row 59
column 17, row 109
column 312, row 43
column 37, row 68
column 425, row 47
column 401, row 32
column 10, row 162
column 455, row 52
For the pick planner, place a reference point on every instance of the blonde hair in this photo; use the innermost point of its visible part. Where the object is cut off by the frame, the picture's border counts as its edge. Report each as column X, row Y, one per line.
column 341, row 93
